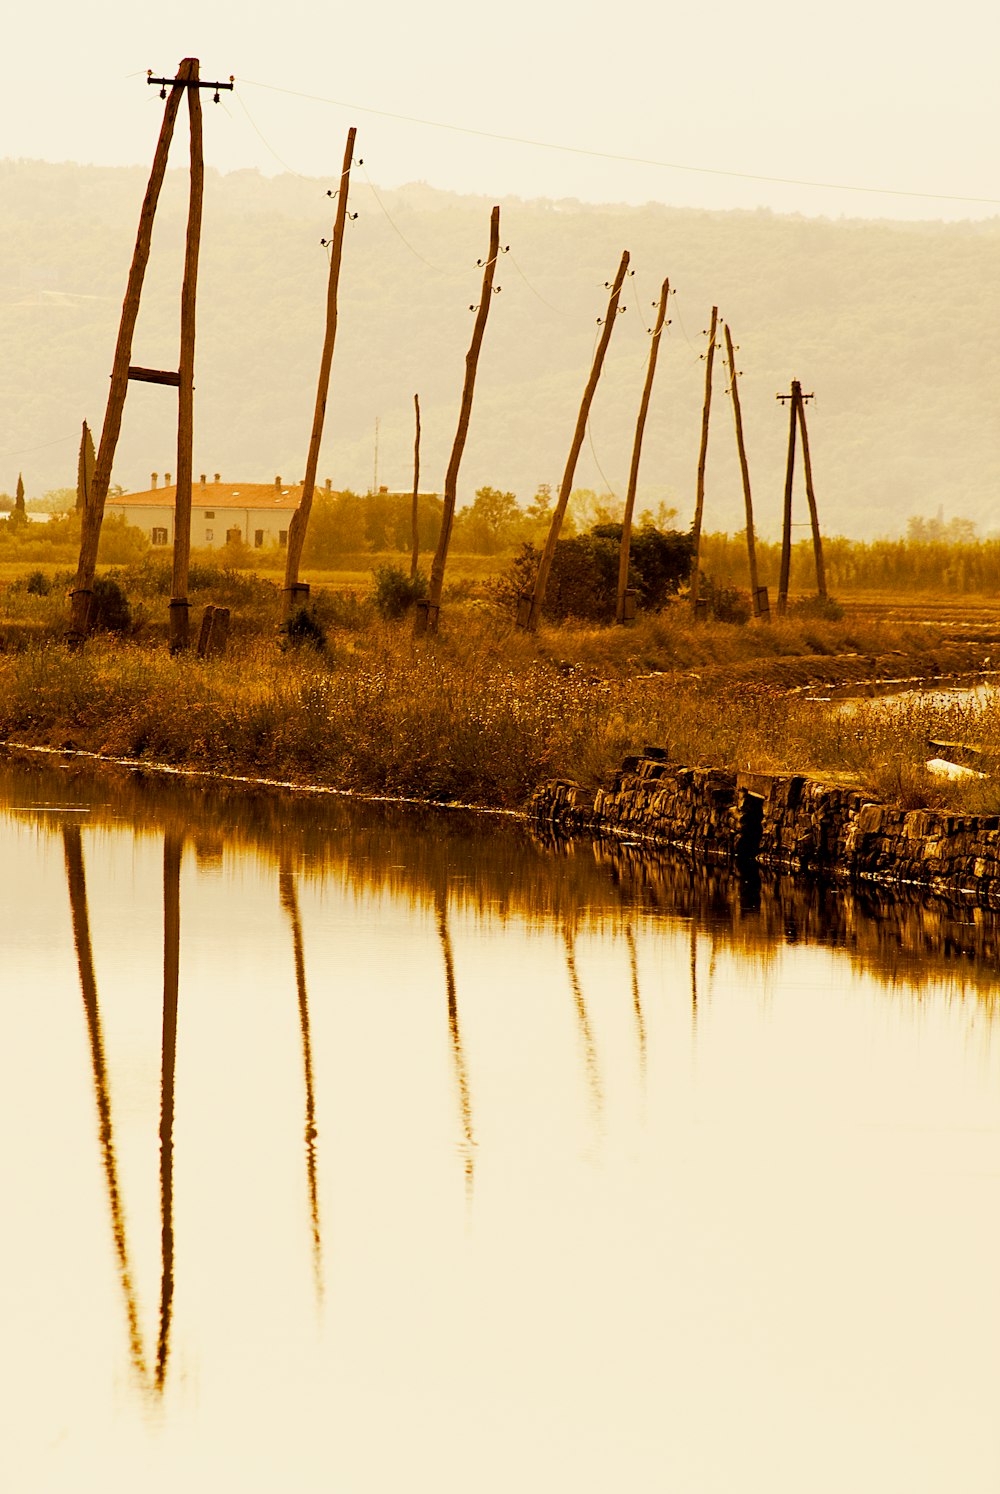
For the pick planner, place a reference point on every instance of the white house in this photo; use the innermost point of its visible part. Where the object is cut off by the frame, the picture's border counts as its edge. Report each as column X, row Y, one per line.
column 257, row 513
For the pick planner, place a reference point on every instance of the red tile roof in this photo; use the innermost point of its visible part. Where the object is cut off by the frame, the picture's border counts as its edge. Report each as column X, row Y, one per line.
column 259, row 495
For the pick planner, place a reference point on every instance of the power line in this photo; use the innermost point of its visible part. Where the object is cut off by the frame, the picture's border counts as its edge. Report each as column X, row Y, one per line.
column 606, row 155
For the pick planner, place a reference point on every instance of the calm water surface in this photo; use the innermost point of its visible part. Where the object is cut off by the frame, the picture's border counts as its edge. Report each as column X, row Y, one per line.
column 351, row 1150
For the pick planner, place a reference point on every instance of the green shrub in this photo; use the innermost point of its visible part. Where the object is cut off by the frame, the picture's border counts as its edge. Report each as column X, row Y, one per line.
column 394, row 592
column 303, row 630
column 583, row 581
column 37, row 584
column 112, row 613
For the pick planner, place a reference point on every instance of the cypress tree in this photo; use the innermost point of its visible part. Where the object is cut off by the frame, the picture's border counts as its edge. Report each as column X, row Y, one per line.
column 84, row 469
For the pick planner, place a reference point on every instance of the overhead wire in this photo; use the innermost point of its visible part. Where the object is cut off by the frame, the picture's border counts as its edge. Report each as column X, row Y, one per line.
column 606, row 155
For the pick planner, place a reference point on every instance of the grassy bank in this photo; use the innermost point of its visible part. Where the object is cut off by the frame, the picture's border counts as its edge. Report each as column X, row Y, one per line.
column 481, row 714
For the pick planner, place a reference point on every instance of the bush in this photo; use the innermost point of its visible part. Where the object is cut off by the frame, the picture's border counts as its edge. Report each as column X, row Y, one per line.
column 394, row 592
column 303, row 630
column 112, row 613
column 583, row 581
column 38, row 584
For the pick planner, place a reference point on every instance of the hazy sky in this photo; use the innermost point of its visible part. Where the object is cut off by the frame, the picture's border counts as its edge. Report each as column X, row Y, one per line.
column 868, row 95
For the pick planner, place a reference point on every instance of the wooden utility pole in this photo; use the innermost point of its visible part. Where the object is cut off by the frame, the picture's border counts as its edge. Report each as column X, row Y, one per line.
column 415, row 515
column 294, row 592
column 427, row 616
column 811, row 496
column 699, row 502
column 745, row 472
column 548, row 553
column 786, row 516
column 122, row 369
column 633, row 476
column 179, row 631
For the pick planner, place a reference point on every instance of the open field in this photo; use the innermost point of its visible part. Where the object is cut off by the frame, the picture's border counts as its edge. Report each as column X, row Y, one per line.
column 482, row 713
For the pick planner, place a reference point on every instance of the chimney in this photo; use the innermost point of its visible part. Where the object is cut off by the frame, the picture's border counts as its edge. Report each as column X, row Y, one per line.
column 204, row 480
column 166, row 479
column 383, row 490
column 329, row 484
column 217, row 477
column 277, row 484
column 156, row 477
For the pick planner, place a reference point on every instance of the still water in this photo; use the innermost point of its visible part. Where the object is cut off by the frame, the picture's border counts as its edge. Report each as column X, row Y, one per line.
column 361, row 1150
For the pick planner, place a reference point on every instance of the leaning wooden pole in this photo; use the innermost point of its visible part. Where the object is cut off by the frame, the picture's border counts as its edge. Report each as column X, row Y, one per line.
column 813, row 511
column 415, row 512
column 699, row 501
column 468, row 389
column 744, row 471
column 300, row 519
column 786, row 517
column 633, row 475
column 94, row 513
column 548, row 553
column 179, row 631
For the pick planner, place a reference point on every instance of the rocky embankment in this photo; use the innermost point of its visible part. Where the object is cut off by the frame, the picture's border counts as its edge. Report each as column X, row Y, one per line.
column 785, row 821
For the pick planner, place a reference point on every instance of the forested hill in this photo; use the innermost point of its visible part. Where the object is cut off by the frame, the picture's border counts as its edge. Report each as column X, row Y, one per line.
column 893, row 326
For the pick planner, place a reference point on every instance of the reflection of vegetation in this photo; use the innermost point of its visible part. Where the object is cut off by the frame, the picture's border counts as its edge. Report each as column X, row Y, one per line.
column 502, row 870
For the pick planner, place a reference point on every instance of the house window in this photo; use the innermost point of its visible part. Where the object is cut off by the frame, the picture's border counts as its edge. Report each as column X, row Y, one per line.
column 210, row 513
column 159, row 536
column 282, row 537
column 209, row 536
column 234, row 536
column 258, row 539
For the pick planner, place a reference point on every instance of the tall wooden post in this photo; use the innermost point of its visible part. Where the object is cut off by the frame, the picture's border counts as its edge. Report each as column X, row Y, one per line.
column 300, row 518
column 699, row 501
column 786, row 518
column 810, row 494
column 744, row 471
column 465, row 412
column 415, row 513
column 179, row 632
column 633, row 476
column 93, row 515
column 548, row 553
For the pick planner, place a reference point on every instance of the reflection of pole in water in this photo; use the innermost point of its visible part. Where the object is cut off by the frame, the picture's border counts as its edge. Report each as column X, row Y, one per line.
column 636, row 1000
column 586, row 1031
column 694, row 971
column 290, row 903
column 73, row 848
column 172, row 847
column 461, row 1072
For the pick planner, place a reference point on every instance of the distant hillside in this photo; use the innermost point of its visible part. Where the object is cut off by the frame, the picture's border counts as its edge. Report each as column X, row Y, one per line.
column 892, row 326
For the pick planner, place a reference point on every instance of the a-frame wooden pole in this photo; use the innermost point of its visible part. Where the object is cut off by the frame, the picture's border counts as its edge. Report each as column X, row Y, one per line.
column 415, row 514
column 744, row 471
column 94, row 513
column 429, row 616
column 548, row 553
column 179, row 631
column 633, row 476
column 293, row 592
column 810, row 494
column 786, row 518
column 699, row 501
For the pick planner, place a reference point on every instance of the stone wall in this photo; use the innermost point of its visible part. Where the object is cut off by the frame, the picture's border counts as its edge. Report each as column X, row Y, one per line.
column 785, row 821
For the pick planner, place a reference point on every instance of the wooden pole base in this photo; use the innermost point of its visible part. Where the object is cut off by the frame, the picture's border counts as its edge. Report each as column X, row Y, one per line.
column 180, row 636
